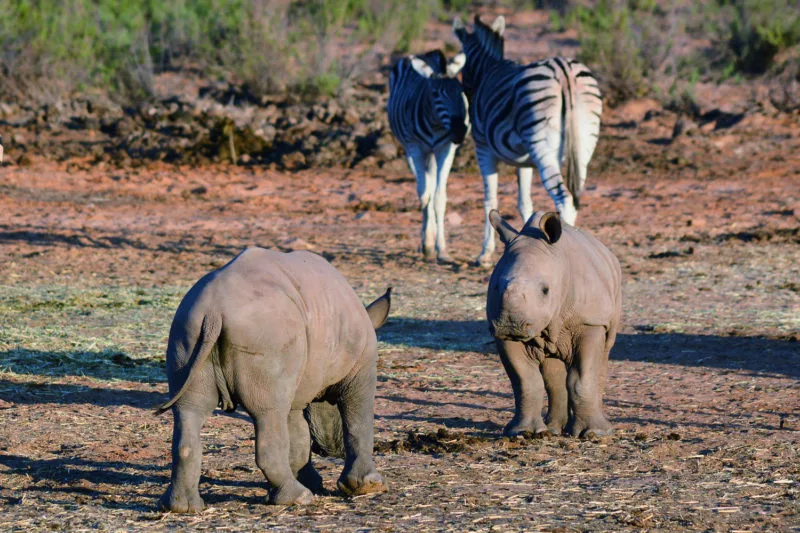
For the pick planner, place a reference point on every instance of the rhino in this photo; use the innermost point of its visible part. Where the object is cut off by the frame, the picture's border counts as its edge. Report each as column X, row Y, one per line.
column 284, row 336
column 554, row 304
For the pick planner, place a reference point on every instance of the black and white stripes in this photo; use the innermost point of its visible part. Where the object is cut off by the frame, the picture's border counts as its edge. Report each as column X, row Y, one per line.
column 428, row 115
column 539, row 115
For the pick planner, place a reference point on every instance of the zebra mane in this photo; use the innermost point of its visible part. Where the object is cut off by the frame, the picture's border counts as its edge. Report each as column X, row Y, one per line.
column 490, row 41
column 436, row 60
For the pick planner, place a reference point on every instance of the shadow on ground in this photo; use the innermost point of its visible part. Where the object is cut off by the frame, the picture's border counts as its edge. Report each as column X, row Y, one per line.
column 103, row 364
column 750, row 354
column 70, row 475
column 755, row 356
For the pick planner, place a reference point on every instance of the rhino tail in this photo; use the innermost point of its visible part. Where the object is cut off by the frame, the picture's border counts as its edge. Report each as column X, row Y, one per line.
column 207, row 343
column 378, row 310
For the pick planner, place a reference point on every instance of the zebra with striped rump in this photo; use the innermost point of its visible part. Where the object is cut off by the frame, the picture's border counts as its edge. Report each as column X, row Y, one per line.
column 428, row 115
column 528, row 115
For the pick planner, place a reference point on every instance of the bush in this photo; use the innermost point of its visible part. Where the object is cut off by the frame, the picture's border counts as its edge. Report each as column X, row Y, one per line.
column 49, row 48
column 624, row 42
column 759, row 30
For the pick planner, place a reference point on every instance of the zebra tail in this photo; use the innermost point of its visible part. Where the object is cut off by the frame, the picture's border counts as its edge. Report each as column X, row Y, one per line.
column 572, row 177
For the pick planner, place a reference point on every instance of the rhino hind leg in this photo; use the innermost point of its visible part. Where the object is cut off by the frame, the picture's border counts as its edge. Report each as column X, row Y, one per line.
column 300, row 453
column 182, row 495
column 584, row 383
column 273, row 457
column 357, row 408
column 554, row 373
column 528, row 387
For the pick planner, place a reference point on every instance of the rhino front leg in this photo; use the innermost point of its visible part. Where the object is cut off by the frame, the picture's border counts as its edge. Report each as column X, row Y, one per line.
column 182, row 495
column 554, row 372
column 584, row 382
column 357, row 408
column 528, row 387
column 272, row 457
column 300, row 452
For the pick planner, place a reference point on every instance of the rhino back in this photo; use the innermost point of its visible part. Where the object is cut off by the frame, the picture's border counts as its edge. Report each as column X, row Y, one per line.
column 302, row 309
column 595, row 278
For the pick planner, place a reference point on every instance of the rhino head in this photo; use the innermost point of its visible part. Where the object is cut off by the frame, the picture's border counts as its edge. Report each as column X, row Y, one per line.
column 324, row 419
column 526, row 286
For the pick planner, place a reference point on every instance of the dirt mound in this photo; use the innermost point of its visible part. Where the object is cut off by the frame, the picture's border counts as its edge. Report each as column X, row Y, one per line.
column 283, row 133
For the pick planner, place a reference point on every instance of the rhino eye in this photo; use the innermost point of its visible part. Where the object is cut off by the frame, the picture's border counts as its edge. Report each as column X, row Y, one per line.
column 545, row 290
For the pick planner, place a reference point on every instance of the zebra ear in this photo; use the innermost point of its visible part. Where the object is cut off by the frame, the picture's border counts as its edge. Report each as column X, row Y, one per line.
column 422, row 68
column 458, row 28
column 503, row 228
column 455, row 65
column 499, row 25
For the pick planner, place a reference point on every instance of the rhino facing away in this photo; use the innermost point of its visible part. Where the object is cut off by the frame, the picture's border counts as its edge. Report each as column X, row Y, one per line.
column 554, row 305
column 286, row 337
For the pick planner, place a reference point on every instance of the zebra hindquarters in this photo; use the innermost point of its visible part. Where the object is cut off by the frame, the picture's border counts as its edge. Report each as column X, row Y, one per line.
column 582, row 126
column 546, row 138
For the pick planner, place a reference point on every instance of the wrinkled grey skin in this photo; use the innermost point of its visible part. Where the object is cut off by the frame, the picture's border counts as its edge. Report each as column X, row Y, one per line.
column 278, row 334
column 554, row 305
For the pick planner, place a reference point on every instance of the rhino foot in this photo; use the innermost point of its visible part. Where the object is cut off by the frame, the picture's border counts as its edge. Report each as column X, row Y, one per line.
column 181, row 501
column 591, row 434
column 595, row 427
column 536, row 430
column 554, row 430
column 371, row 483
column 292, row 494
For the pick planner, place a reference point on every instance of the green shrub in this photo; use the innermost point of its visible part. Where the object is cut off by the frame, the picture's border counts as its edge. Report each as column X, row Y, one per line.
column 623, row 42
column 49, row 48
column 759, row 30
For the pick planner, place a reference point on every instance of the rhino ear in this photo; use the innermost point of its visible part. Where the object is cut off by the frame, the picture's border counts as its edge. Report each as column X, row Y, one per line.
column 503, row 228
column 550, row 224
column 378, row 310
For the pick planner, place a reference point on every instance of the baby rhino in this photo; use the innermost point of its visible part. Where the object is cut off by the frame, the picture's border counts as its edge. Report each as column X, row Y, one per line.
column 278, row 334
column 554, row 305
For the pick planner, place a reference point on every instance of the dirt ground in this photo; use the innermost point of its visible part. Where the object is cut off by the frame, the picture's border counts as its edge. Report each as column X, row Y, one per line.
column 704, row 381
column 703, row 388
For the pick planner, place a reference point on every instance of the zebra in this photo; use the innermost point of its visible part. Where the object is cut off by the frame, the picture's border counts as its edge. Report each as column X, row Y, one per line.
column 428, row 115
column 526, row 116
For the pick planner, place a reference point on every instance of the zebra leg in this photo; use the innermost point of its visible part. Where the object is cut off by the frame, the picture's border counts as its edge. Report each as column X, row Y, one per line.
column 524, row 204
column 418, row 163
column 444, row 160
column 488, row 166
column 550, row 173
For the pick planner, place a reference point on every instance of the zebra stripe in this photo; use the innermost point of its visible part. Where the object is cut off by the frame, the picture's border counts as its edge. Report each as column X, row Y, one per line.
column 429, row 111
column 428, row 114
column 542, row 114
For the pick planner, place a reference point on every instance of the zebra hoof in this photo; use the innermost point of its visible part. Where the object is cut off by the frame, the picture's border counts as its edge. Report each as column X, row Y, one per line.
column 445, row 259
column 483, row 262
